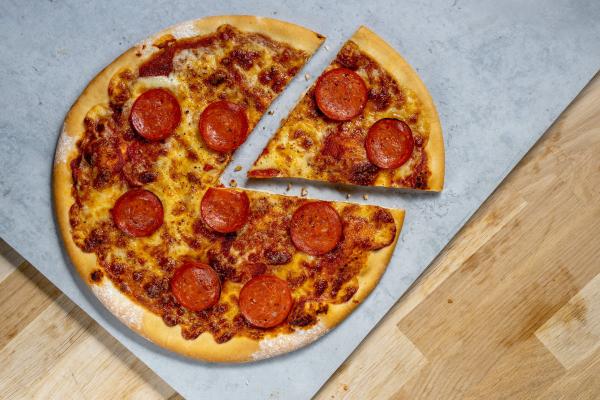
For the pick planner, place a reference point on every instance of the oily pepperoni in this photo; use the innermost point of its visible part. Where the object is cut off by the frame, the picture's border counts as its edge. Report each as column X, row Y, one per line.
column 155, row 114
column 265, row 301
column 196, row 286
column 225, row 210
column 316, row 228
column 223, row 126
column 138, row 213
column 389, row 143
column 341, row 94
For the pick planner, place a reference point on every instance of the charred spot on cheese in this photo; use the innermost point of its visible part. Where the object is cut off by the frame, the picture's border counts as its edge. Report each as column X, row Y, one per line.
column 300, row 316
column 96, row 275
column 363, row 174
column 380, row 97
column 244, row 58
column 218, row 77
column 277, row 257
column 119, row 88
column 274, row 78
column 420, row 174
column 351, row 57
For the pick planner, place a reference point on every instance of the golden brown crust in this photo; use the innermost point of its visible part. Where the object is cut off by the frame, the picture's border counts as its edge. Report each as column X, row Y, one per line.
column 390, row 60
column 146, row 323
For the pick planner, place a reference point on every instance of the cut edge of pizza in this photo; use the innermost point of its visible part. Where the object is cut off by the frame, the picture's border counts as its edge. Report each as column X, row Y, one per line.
column 130, row 312
column 382, row 129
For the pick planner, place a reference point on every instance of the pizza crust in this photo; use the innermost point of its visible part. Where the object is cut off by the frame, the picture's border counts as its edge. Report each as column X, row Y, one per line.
column 394, row 63
column 138, row 318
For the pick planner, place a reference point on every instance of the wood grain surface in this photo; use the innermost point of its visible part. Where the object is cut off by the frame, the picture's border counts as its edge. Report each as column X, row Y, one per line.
column 509, row 310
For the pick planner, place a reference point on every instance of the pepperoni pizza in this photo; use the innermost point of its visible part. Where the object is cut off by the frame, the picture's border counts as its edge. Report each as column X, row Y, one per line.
column 368, row 120
column 215, row 273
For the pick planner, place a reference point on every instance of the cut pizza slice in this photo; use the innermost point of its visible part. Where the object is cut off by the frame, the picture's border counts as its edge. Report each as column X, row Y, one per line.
column 368, row 120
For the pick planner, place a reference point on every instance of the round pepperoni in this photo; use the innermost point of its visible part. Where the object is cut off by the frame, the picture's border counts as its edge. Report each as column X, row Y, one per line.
column 265, row 301
column 155, row 114
column 341, row 94
column 138, row 213
column 225, row 210
column 389, row 143
column 316, row 228
column 223, row 126
column 196, row 286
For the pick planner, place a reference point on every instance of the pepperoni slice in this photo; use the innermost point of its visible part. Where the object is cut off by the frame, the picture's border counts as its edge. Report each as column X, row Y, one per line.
column 138, row 213
column 389, row 143
column 225, row 210
column 196, row 286
column 316, row 228
column 223, row 126
column 341, row 94
column 265, row 301
column 155, row 114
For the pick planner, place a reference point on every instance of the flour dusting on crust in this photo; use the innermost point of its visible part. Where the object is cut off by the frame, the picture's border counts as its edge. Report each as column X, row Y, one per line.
column 128, row 312
column 66, row 143
column 285, row 343
column 184, row 30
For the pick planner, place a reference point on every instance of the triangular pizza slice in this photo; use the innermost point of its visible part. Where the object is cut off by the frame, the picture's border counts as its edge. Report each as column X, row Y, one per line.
column 219, row 274
column 368, row 120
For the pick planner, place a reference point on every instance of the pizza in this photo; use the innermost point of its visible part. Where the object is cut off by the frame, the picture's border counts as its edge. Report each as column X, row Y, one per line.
column 368, row 120
column 215, row 273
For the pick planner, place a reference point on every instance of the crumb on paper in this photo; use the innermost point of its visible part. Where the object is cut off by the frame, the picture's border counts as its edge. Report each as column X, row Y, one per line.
column 289, row 186
column 450, row 301
column 233, row 183
column 303, row 192
column 307, row 76
column 345, row 387
column 366, row 196
column 270, row 112
column 237, row 168
column 348, row 195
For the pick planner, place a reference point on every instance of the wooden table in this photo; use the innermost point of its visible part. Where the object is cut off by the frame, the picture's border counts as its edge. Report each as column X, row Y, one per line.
column 510, row 309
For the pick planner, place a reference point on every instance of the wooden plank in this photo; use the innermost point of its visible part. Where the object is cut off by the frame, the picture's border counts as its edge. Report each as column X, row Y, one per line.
column 573, row 333
column 35, row 294
column 378, row 376
column 49, row 348
column 581, row 382
column 9, row 260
